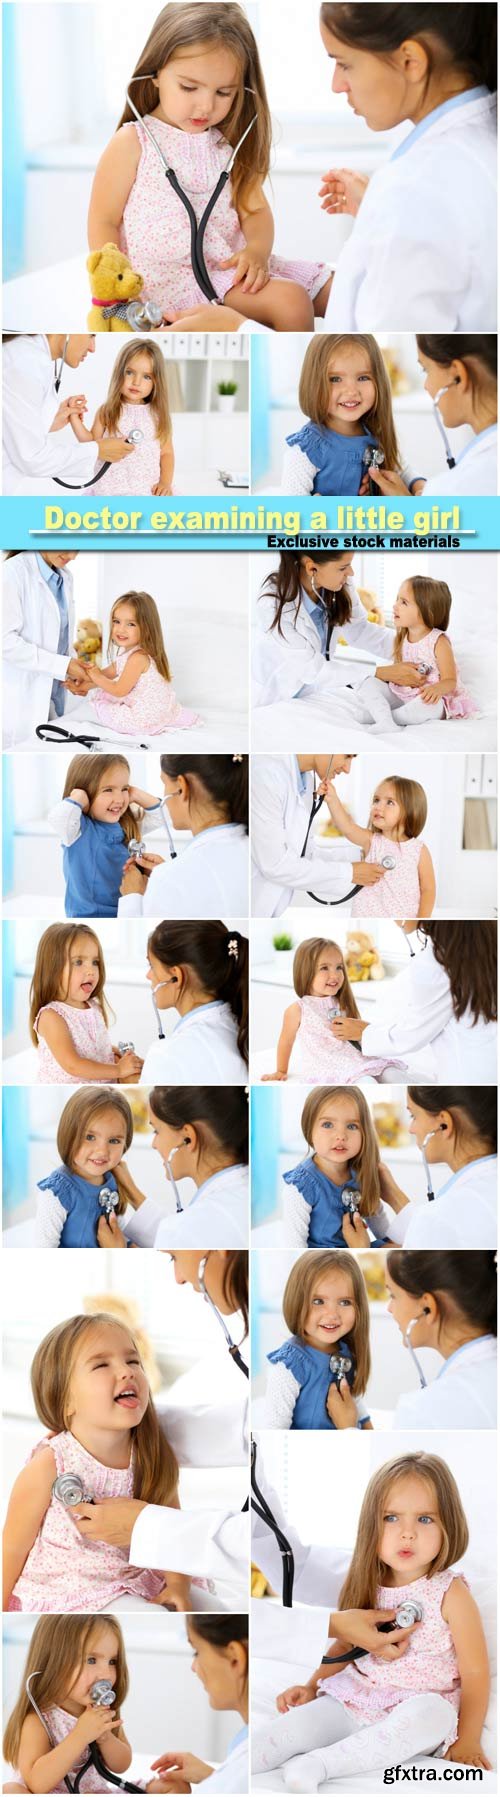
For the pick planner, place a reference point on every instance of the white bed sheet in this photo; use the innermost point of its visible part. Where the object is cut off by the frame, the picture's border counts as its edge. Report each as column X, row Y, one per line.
column 220, row 730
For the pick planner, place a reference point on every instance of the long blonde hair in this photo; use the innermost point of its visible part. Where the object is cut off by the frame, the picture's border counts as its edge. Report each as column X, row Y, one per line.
column 305, row 962
column 433, row 598
column 180, row 26
column 148, row 620
column 56, row 1654
column 413, row 802
column 299, row 1290
column 76, row 1118
column 314, row 389
column 366, row 1164
column 367, row 1570
column 112, row 406
column 156, row 1472
column 51, row 956
column 88, row 772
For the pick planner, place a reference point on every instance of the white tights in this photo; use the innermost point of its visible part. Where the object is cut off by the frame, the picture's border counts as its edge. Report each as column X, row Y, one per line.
column 386, row 710
column 344, row 1744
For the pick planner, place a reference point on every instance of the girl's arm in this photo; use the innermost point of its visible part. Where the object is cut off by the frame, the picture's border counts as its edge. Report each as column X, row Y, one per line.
column 447, row 674
column 166, row 469
column 462, row 1615
column 44, row 1768
column 80, row 430
column 282, row 1391
column 289, row 1030
column 148, row 801
column 114, row 177
column 427, row 884
column 56, row 1034
column 251, row 265
column 65, row 818
column 344, row 823
column 116, row 1750
column 124, row 683
column 29, row 1501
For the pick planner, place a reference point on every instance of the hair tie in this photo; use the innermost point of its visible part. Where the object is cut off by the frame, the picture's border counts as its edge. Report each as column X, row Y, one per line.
column 236, row 758
column 232, row 947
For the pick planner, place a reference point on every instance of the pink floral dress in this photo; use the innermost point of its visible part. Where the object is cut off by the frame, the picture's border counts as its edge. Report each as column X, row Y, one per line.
column 59, row 1726
column 140, row 471
column 423, row 655
column 371, row 1687
column 156, row 233
column 322, row 1057
column 398, row 894
column 89, row 1034
column 63, row 1573
column 149, row 708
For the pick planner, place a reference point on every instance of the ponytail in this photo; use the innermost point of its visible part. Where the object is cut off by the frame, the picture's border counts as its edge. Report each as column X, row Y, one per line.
column 223, row 777
column 219, row 959
column 284, row 585
column 469, row 1280
column 473, row 1108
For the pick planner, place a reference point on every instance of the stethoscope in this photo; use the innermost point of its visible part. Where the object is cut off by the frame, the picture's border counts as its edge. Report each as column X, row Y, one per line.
column 407, row 1344
column 102, row 1694
column 135, row 848
column 133, row 436
column 388, row 861
column 198, row 227
column 406, row 1615
column 263, row 1510
column 233, row 1349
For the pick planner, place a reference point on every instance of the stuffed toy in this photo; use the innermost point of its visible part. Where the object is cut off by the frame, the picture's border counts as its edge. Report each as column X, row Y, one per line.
column 113, row 284
column 88, row 640
column 362, row 959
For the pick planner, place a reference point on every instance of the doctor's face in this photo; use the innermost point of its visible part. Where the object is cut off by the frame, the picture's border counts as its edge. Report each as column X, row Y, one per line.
column 78, row 348
column 404, row 1307
column 160, row 976
column 330, row 575
column 221, row 1670
column 58, row 558
column 377, row 90
column 186, row 1265
column 421, row 1124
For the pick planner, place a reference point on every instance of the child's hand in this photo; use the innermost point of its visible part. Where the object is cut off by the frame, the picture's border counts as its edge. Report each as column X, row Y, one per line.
column 469, row 1752
column 168, row 1784
column 159, row 491
column 80, row 797
column 293, row 1697
column 430, row 694
column 342, row 191
column 128, row 1066
column 268, row 1076
column 63, row 414
column 340, row 1404
column 250, row 273
column 354, row 1232
column 93, row 1724
column 175, row 1594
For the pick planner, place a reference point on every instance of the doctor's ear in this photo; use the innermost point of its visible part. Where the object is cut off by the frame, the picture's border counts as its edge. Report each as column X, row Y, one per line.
column 460, row 376
column 413, row 60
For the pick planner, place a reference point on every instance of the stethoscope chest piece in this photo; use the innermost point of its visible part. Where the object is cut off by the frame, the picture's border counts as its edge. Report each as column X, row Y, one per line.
column 340, row 1367
column 70, row 1489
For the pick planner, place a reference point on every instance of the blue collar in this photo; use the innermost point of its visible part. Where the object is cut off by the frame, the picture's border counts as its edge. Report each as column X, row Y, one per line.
column 215, row 829
column 213, row 1004
column 491, row 431
column 463, row 1350
column 301, row 778
column 238, row 1167
column 47, row 572
column 480, row 1161
column 472, row 93
column 314, row 607
column 237, row 1740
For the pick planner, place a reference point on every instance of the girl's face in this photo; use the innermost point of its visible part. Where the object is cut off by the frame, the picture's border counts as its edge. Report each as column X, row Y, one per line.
column 198, row 87
column 113, row 797
column 332, row 575
column 336, row 1132
column 421, row 1124
column 411, row 1533
column 329, row 974
column 158, row 975
column 376, row 89
column 406, row 613
column 212, row 1665
column 404, row 1307
column 124, row 628
column 352, row 387
column 332, row 1311
column 81, row 971
column 138, row 383
column 102, row 1145
column 386, row 813
column 100, row 1661
column 108, row 1388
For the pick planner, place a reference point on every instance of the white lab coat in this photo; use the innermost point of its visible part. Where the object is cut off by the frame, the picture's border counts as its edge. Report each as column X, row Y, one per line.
column 202, row 1050
column 421, row 255
column 211, row 1434
column 210, row 878
column 280, row 816
column 30, row 631
column 421, row 1005
column 216, row 1216
column 475, row 471
column 463, row 1396
column 283, row 663
column 233, row 1774
column 463, row 1215
column 208, row 1544
column 31, row 451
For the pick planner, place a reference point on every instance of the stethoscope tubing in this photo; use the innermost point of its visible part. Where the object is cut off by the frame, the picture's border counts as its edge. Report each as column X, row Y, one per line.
column 197, row 226
column 315, row 808
column 94, row 1757
column 263, row 1510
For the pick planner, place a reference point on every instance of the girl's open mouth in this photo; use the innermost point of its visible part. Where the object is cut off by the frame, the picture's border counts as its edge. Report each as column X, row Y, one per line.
column 128, row 1398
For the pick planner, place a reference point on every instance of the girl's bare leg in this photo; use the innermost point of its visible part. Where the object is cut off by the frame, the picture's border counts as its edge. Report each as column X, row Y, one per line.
column 321, row 301
column 283, row 305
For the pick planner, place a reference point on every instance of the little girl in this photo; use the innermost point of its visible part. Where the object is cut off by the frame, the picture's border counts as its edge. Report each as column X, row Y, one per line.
column 137, row 401
column 135, row 693
column 345, row 393
column 344, row 1159
column 432, row 1696
column 397, row 818
column 98, row 816
column 91, row 1392
column 325, row 1307
column 319, row 976
column 68, row 1011
column 66, row 1657
column 424, row 652
column 461, row 379
column 95, row 1129
column 198, row 86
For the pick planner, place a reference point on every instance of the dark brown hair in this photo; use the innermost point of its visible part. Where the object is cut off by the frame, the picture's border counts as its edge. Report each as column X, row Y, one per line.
column 219, row 1631
column 224, row 778
column 235, row 1281
column 473, row 1108
column 468, row 1280
column 468, row 954
column 463, row 35
column 219, row 1113
column 203, row 949
column 478, row 353
column 284, row 585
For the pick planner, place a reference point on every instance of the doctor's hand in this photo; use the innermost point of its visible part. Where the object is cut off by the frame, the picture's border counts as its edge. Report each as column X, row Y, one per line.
column 365, row 873
column 62, row 416
column 342, row 191
column 341, row 1406
column 388, row 482
column 359, row 1628
column 249, row 273
column 190, row 1767
column 348, row 1029
column 111, row 1521
column 294, row 1696
column 109, row 1234
column 132, row 879
column 354, row 1231
column 76, row 677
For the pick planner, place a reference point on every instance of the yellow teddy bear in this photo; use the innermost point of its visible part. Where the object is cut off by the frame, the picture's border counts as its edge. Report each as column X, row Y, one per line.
column 362, row 958
column 113, row 283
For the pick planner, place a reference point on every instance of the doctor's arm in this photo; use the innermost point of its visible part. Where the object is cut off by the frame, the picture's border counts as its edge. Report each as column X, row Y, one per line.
column 32, row 447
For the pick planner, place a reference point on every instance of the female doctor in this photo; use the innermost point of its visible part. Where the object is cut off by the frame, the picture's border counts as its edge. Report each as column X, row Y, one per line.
column 461, row 380
column 307, row 603
column 38, row 616
column 286, row 857
column 220, row 1647
column 444, row 1001
column 208, row 795
column 422, row 248
column 201, row 1133
column 447, row 1302
column 33, row 415
column 199, row 970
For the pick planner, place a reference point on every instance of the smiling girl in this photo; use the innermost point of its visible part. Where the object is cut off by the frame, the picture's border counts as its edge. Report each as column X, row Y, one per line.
column 325, row 1308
